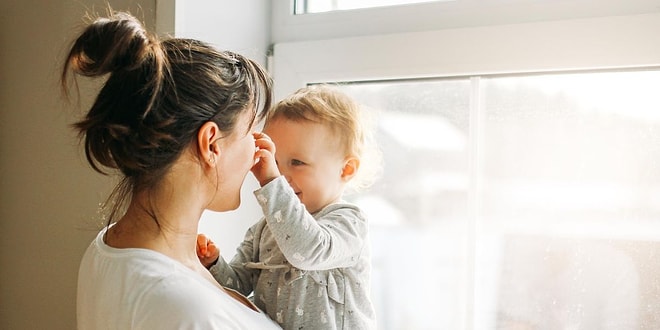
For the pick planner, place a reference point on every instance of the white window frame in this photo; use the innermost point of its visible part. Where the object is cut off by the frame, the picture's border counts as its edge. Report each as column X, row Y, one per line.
column 584, row 44
column 287, row 27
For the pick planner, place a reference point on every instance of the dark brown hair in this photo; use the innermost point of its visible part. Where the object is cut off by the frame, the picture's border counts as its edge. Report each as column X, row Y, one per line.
column 156, row 97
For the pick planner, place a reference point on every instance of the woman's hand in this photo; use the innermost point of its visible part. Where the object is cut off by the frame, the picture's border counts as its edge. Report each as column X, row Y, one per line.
column 265, row 166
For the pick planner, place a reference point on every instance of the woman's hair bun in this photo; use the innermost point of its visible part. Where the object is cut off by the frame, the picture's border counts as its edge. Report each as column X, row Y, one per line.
column 111, row 44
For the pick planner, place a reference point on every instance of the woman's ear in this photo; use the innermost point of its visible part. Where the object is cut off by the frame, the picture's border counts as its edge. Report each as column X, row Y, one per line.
column 351, row 166
column 207, row 136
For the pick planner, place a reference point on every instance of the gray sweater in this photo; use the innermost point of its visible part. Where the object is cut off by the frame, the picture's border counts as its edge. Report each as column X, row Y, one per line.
column 306, row 271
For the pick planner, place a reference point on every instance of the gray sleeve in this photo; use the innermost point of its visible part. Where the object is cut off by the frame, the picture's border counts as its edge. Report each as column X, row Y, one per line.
column 334, row 239
column 234, row 274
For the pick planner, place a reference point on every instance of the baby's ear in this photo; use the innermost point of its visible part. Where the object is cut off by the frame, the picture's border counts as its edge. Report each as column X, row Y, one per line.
column 351, row 166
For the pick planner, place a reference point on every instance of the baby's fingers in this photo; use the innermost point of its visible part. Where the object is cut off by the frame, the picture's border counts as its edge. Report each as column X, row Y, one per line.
column 263, row 141
column 212, row 250
column 202, row 243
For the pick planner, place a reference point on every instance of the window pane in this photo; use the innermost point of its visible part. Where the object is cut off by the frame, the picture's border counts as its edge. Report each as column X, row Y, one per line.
column 541, row 215
column 569, row 205
column 418, row 209
column 321, row 6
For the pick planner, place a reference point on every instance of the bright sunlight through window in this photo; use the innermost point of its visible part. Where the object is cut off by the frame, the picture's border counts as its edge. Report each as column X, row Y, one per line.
column 524, row 202
column 321, row 6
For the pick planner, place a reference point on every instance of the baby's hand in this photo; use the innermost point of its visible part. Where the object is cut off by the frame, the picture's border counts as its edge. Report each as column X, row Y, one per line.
column 265, row 167
column 207, row 252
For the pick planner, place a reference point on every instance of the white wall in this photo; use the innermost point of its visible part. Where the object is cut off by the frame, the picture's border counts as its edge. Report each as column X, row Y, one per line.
column 239, row 26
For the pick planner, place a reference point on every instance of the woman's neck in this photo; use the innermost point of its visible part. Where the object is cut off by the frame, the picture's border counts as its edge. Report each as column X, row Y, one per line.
column 166, row 225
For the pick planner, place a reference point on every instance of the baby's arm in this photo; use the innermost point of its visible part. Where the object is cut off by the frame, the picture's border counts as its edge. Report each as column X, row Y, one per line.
column 334, row 240
column 234, row 274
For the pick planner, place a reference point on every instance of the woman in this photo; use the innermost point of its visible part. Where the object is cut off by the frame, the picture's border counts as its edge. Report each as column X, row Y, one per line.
column 175, row 117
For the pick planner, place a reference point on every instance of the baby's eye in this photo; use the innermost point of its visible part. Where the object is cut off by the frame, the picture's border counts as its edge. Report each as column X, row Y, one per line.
column 295, row 162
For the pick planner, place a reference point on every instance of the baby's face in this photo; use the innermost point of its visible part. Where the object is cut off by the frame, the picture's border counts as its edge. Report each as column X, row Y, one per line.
column 311, row 158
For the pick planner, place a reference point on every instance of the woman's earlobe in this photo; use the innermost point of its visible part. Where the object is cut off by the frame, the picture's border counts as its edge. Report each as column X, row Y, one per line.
column 214, row 152
column 207, row 137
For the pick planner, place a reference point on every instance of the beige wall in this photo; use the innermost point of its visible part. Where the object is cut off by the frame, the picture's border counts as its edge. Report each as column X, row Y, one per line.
column 48, row 194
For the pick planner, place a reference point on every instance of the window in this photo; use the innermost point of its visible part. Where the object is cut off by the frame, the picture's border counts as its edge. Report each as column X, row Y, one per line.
column 321, row 6
column 526, row 199
column 535, row 207
column 418, row 211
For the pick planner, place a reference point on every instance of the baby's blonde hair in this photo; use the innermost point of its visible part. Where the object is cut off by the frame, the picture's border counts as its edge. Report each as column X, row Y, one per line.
column 327, row 105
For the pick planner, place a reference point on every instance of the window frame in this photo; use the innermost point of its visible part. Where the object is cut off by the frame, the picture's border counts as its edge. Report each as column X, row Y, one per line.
column 287, row 27
column 618, row 42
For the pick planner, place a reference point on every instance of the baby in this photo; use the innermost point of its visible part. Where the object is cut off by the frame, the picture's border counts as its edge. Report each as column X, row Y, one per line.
column 308, row 260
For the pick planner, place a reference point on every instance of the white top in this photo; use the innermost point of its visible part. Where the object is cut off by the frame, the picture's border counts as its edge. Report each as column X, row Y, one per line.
column 143, row 289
